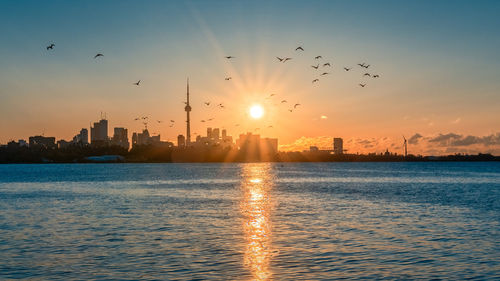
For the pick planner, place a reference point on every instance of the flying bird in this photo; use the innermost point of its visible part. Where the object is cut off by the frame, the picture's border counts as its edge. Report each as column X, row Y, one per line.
column 315, row 66
column 98, row 55
column 376, row 76
column 280, row 59
column 324, row 73
column 315, row 80
column 367, row 74
column 51, row 46
column 295, row 106
column 159, row 121
column 137, row 83
column 326, row 64
column 172, row 121
column 347, row 69
column 283, row 101
column 318, row 57
column 290, row 110
column 362, row 85
column 207, row 103
column 137, row 119
column 228, row 78
column 210, row 119
column 361, row 64
column 284, row 60
column 229, row 57
column 299, row 48
column 203, row 121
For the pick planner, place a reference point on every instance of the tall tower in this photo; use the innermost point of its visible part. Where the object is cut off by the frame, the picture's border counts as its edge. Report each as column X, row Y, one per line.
column 188, row 122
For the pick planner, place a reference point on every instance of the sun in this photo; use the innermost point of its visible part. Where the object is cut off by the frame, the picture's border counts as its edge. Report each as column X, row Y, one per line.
column 256, row 111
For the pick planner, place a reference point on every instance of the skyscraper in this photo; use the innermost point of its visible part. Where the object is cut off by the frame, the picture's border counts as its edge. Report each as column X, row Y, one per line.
column 120, row 137
column 188, row 122
column 99, row 133
column 338, row 146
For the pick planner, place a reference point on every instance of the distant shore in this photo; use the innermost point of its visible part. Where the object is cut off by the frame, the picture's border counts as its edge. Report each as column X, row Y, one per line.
column 151, row 154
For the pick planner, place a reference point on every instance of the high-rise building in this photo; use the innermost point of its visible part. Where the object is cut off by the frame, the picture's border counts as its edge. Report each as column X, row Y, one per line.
column 188, row 122
column 209, row 133
column 120, row 137
column 215, row 134
column 181, row 141
column 82, row 138
column 99, row 133
column 338, row 146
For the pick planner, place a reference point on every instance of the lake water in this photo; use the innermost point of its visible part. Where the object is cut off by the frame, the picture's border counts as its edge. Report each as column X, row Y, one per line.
column 291, row 221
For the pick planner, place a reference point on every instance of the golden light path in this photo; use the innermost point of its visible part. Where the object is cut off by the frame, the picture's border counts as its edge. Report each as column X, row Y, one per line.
column 256, row 207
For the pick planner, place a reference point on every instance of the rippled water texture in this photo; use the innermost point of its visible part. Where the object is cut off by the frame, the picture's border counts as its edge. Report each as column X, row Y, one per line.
column 293, row 221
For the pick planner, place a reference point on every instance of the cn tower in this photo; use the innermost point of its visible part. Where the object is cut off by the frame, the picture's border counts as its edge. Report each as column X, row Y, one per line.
column 188, row 122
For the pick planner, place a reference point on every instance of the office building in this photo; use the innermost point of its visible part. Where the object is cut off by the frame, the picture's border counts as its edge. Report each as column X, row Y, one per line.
column 338, row 146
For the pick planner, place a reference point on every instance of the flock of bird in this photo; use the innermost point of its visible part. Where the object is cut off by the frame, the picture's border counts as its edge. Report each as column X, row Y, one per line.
column 284, row 59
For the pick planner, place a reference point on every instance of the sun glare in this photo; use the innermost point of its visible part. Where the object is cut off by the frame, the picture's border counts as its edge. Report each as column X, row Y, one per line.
column 256, row 111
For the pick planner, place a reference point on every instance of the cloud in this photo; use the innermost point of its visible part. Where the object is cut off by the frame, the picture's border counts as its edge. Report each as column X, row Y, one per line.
column 440, row 144
column 414, row 139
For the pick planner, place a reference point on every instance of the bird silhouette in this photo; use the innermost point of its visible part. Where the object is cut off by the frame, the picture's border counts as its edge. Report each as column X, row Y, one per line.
column 318, row 57
column 295, row 106
column 172, row 121
column 347, row 69
column 207, row 103
column 51, row 46
column 228, row 78
column 203, row 121
column 315, row 80
column 366, row 66
column 229, row 57
column 362, row 85
column 137, row 119
column 291, row 110
column 280, row 59
column 98, row 55
column 284, row 60
column 324, row 73
column 367, row 74
column 159, row 121
column 376, row 76
column 283, row 101
column 315, row 66
column 137, row 83
column 326, row 64
column 299, row 48
column 361, row 64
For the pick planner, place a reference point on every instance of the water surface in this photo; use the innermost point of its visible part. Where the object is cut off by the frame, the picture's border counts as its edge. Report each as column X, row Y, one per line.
column 292, row 221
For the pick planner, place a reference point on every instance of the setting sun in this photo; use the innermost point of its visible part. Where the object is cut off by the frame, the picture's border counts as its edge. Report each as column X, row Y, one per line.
column 256, row 111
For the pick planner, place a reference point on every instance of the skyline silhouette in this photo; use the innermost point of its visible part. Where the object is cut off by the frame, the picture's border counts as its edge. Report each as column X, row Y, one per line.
column 421, row 73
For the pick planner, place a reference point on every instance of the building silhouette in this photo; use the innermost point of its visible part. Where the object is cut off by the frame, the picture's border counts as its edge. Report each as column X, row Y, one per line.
column 120, row 138
column 338, row 146
column 43, row 142
column 99, row 132
column 181, row 141
column 254, row 148
column 82, row 138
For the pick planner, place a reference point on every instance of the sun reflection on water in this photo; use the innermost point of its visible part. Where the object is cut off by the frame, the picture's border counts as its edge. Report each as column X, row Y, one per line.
column 256, row 207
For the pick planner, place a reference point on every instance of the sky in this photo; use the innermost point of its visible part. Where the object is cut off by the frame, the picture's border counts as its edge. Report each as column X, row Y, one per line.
column 438, row 63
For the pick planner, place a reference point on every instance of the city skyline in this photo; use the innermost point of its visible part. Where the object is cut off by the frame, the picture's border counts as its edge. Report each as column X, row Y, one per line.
column 437, row 84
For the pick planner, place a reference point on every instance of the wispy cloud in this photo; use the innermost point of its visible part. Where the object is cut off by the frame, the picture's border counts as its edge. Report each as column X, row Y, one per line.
column 439, row 144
